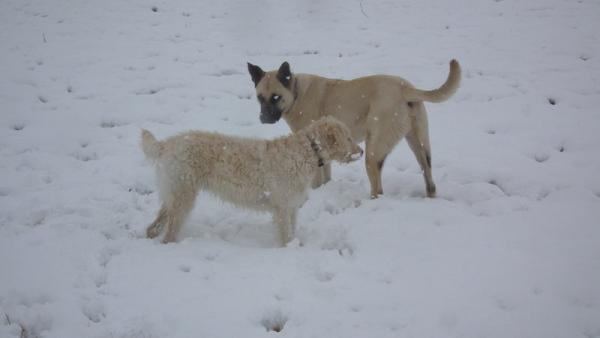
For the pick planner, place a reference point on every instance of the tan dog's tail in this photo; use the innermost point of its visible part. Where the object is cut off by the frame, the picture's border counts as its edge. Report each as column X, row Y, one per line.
column 151, row 147
column 437, row 95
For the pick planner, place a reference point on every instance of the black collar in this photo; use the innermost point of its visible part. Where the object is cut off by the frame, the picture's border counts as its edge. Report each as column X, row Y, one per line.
column 317, row 149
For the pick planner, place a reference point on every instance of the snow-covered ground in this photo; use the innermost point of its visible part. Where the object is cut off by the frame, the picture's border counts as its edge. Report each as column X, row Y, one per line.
column 510, row 248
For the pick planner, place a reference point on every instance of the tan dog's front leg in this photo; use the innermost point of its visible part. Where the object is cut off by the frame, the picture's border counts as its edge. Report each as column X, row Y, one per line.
column 374, row 166
column 323, row 176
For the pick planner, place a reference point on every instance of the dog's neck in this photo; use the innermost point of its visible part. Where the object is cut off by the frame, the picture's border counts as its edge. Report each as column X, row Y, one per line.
column 295, row 93
column 307, row 102
column 295, row 89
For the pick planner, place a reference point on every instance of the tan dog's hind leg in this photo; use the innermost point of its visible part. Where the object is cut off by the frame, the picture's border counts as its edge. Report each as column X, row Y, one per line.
column 418, row 141
column 382, row 137
column 153, row 229
column 424, row 158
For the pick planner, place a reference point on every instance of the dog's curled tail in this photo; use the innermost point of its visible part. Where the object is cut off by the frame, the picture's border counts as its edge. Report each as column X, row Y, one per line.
column 151, row 147
column 441, row 94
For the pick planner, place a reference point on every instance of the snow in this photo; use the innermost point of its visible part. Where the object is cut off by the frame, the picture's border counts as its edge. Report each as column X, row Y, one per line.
column 509, row 248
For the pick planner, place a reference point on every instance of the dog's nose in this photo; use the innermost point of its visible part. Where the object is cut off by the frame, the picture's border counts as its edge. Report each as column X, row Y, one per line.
column 356, row 154
column 266, row 120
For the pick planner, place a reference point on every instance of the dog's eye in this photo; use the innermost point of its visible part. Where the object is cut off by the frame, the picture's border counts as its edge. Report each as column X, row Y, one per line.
column 275, row 98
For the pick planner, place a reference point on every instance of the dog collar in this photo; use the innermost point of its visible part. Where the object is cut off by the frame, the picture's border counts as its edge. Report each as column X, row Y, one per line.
column 317, row 149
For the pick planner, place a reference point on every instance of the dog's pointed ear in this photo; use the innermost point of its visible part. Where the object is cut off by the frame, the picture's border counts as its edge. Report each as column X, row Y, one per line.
column 256, row 72
column 284, row 74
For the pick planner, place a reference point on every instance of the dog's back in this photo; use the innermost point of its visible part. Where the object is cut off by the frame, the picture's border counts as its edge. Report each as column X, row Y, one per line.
column 238, row 170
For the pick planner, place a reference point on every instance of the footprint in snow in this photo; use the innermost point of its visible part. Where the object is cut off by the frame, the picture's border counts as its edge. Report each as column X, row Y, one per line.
column 148, row 91
column 84, row 156
column 4, row 191
column 541, row 157
column 111, row 124
column 100, row 279
column 211, row 256
column 542, row 194
column 185, row 268
column 141, row 189
column 226, row 72
column 106, row 254
column 498, row 185
column 504, row 305
column 18, row 126
column 94, row 311
column 274, row 321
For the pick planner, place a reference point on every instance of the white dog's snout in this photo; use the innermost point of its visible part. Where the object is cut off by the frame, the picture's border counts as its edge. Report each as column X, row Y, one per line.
column 356, row 156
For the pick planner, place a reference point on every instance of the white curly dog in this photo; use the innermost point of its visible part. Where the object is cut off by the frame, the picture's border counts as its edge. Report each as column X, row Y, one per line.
column 265, row 175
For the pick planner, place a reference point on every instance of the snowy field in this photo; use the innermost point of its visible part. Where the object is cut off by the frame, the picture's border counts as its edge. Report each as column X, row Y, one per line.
column 510, row 248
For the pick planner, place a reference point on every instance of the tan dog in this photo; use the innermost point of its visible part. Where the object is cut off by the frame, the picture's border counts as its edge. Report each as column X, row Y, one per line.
column 379, row 109
column 265, row 175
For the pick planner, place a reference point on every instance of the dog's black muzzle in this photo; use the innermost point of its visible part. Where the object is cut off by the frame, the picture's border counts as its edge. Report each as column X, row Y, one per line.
column 270, row 114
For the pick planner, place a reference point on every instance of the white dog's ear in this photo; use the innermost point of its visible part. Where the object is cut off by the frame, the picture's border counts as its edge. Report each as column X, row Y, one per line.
column 331, row 135
column 284, row 74
column 256, row 72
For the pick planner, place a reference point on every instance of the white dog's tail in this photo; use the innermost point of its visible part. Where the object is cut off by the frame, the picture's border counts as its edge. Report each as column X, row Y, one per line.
column 437, row 95
column 151, row 147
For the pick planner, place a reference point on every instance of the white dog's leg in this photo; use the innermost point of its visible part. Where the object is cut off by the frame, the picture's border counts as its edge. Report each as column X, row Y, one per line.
column 153, row 229
column 293, row 219
column 177, row 211
column 293, row 223
column 284, row 221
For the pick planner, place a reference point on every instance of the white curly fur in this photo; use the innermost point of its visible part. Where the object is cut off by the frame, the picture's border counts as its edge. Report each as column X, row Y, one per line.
column 265, row 175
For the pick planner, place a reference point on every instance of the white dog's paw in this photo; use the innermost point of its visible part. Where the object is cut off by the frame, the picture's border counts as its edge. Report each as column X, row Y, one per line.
column 294, row 243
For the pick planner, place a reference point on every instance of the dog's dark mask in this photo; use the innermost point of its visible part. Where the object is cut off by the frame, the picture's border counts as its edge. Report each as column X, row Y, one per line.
column 269, row 111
